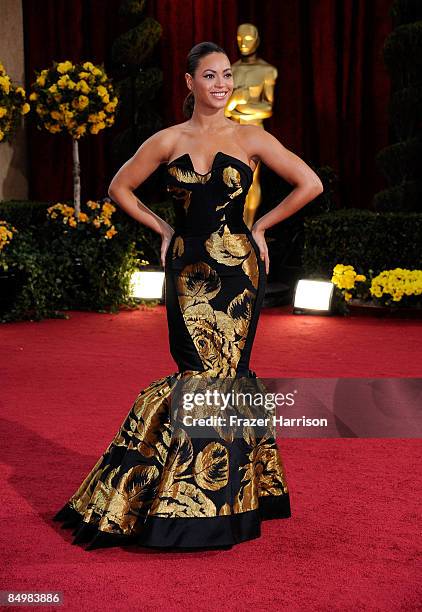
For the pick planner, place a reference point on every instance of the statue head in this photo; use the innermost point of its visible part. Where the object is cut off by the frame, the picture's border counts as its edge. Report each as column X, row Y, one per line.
column 247, row 38
column 208, row 75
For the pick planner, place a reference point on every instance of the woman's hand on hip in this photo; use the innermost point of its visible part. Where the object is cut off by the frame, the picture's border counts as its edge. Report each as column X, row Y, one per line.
column 259, row 237
column 166, row 236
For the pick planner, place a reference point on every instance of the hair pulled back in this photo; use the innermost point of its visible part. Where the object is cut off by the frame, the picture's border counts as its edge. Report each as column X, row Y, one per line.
column 194, row 57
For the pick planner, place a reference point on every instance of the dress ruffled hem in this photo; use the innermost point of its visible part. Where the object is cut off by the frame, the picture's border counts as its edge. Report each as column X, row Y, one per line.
column 182, row 534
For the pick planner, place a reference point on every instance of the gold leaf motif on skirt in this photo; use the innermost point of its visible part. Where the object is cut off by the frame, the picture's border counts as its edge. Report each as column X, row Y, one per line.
column 150, row 425
column 250, row 268
column 240, row 310
column 225, row 510
column 269, row 469
column 183, row 500
column 178, row 460
column 213, row 334
column 199, row 282
column 227, row 248
column 211, row 470
column 81, row 497
column 246, row 498
column 102, row 492
column 135, row 489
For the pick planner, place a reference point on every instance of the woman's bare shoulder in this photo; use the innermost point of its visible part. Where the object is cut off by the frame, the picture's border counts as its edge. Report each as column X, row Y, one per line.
column 163, row 141
column 251, row 138
column 251, row 133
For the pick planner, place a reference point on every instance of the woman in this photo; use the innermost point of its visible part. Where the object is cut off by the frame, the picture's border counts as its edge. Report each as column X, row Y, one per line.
column 160, row 483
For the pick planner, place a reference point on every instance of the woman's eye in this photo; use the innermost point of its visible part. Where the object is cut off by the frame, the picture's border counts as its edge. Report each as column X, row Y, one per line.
column 228, row 74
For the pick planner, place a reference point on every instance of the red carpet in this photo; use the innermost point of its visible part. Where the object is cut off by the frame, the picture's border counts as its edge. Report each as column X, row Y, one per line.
column 352, row 543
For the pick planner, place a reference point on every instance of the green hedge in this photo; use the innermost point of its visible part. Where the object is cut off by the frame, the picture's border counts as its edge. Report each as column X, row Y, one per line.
column 52, row 271
column 364, row 239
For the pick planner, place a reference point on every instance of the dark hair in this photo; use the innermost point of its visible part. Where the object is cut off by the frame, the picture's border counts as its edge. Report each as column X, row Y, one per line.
column 194, row 57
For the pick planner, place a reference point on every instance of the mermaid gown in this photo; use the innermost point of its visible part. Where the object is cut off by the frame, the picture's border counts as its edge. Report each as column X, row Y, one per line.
column 156, row 484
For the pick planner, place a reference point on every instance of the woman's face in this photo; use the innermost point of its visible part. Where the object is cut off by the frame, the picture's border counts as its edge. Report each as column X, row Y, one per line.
column 212, row 83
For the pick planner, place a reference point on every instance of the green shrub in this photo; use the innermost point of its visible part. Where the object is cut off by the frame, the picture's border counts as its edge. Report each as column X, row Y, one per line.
column 365, row 239
column 52, row 267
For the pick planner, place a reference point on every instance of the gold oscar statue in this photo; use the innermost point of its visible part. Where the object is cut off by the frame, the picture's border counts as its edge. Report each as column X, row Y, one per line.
column 252, row 99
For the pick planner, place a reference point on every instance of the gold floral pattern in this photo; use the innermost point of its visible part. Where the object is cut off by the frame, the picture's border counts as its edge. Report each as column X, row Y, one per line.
column 178, row 247
column 188, row 176
column 231, row 177
column 155, row 469
column 218, row 336
column 233, row 250
column 182, row 195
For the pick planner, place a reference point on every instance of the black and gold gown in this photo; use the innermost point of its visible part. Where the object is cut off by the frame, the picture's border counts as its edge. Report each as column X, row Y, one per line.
column 156, row 485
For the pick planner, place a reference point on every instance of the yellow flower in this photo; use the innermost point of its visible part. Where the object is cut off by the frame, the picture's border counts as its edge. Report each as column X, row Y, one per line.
column 56, row 115
column 25, row 108
column 83, row 217
column 92, row 118
column 397, row 283
column 360, row 277
column 33, row 96
column 94, row 129
column 5, row 84
column 81, row 102
column 3, row 111
column 66, row 82
column 20, row 91
column 102, row 91
column 83, row 87
column 80, row 130
column 347, row 296
column 40, row 80
column 111, row 232
column 64, row 67
column 83, row 75
column 96, row 222
column 53, row 127
column 1, row 135
column 72, row 222
column 62, row 82
column 88, row 66
column 53, row 88
column 92, row 204
column 108, row 208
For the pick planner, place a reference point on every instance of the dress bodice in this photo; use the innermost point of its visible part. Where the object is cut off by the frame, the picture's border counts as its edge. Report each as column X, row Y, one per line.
column 203, row 202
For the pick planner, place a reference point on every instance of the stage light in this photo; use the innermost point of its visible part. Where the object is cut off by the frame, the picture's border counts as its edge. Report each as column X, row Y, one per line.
column 147, row 284
column 313, row 297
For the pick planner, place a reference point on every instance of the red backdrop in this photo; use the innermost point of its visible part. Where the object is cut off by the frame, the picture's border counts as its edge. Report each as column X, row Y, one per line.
column 331, row 95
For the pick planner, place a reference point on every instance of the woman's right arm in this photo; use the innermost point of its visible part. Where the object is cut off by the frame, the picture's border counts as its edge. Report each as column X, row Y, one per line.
column 154, row 151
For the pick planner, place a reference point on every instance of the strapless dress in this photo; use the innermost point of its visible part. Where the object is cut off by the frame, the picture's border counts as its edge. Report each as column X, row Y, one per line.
column 161, row 484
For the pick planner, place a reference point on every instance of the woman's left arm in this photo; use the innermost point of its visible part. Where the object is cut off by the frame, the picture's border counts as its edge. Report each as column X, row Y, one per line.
column 307, row 184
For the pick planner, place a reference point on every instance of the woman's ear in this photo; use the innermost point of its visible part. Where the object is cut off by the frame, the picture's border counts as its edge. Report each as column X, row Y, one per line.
column 188, row 78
